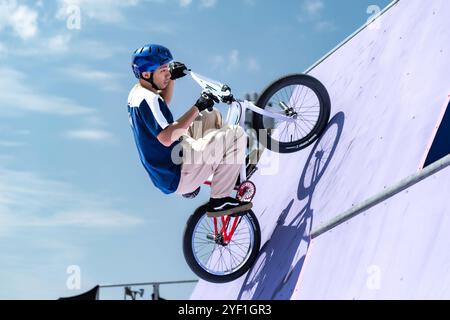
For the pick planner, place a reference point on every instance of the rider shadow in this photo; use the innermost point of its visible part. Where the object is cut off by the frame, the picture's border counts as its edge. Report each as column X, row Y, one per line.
column 275, row 273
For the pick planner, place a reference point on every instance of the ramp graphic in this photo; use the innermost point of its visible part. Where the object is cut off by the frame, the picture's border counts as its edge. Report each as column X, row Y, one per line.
column 358, row 215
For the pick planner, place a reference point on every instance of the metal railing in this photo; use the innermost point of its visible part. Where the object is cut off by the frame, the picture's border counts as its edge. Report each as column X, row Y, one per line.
column 382, row 196
column 155, row 285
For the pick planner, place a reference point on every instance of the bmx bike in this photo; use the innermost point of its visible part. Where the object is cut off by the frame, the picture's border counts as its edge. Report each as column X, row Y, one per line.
column 289, row 115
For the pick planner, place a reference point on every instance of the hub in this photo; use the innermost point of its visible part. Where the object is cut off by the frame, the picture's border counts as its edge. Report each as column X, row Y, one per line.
column 217, row 239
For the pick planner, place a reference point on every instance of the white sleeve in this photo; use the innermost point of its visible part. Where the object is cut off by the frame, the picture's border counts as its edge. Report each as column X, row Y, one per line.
column 157, row 113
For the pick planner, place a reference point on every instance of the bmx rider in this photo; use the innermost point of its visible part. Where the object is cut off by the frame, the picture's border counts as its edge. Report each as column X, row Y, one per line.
column 181, row 155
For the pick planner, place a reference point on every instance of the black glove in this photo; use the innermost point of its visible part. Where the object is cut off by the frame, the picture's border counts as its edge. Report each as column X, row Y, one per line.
column 177, row 70
column 206, row 101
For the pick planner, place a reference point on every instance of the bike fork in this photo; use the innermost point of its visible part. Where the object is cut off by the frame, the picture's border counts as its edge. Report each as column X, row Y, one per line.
column 224, row 234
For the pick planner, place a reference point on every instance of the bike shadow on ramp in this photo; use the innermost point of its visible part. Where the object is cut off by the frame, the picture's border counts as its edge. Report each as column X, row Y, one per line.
column 276, row 271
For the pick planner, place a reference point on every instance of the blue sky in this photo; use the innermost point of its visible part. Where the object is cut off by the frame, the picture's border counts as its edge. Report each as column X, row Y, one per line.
column 72, row 189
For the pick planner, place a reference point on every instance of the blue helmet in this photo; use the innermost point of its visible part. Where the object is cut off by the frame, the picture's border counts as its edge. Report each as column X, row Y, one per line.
column 149, row 57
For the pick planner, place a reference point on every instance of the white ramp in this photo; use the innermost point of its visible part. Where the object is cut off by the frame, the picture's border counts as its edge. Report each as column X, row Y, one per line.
column 389, row 87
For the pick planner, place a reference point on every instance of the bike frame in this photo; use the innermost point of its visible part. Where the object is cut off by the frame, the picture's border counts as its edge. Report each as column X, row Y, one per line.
column 223, row 93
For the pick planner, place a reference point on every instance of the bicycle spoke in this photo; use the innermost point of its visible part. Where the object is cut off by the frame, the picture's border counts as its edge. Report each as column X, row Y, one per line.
column 210, row 254
column 238, row 246
column 233, row 258
column 295, row 96
column 220, row 259
column 204, row 243
column 304, row 101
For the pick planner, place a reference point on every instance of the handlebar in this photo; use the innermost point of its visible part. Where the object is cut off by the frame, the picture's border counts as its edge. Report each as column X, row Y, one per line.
column 220, row 91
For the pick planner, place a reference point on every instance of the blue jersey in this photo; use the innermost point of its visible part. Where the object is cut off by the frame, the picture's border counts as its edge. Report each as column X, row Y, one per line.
column 149, row 115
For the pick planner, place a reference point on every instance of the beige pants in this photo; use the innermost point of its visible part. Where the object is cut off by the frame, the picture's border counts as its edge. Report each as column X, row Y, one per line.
column 210, row 149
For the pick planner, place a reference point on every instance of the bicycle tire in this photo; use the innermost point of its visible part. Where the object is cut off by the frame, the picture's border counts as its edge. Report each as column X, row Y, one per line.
column 194, row 264
column 324, row 116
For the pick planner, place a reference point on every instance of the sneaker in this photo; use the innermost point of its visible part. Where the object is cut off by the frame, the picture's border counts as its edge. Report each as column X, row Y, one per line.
column 226, row 206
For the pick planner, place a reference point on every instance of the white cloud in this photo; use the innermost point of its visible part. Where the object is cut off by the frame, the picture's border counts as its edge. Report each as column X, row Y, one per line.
column 53, row 45
column 217, row 62
column 233, row 61
column 253, row 65
column 208, row 3
column 313, row 7
column 85, row 218
column 95, row 121
column 18, row 98
column 185, row 3
column 61, row 43
column 11, row 144
column 58, row 43
column 161, row 29
column 29, row 200
column 325, row 26
column 103, row 10
column 105, row 80
column 234, row 58
column 24, row 21
column 203, row 3
column 226, row 63
column 20, row 18
column 89, row 135
column 312, row 15
column 111, row 11
column 98, row 50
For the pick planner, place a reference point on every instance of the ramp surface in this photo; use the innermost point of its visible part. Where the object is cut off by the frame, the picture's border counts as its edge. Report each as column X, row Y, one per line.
column 389, row 88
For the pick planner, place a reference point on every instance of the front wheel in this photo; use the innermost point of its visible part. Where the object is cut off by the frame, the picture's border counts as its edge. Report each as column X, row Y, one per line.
column 221, row 249
column 303, row 99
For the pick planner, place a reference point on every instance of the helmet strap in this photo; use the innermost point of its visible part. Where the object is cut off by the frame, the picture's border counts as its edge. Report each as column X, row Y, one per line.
column 152, row 83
